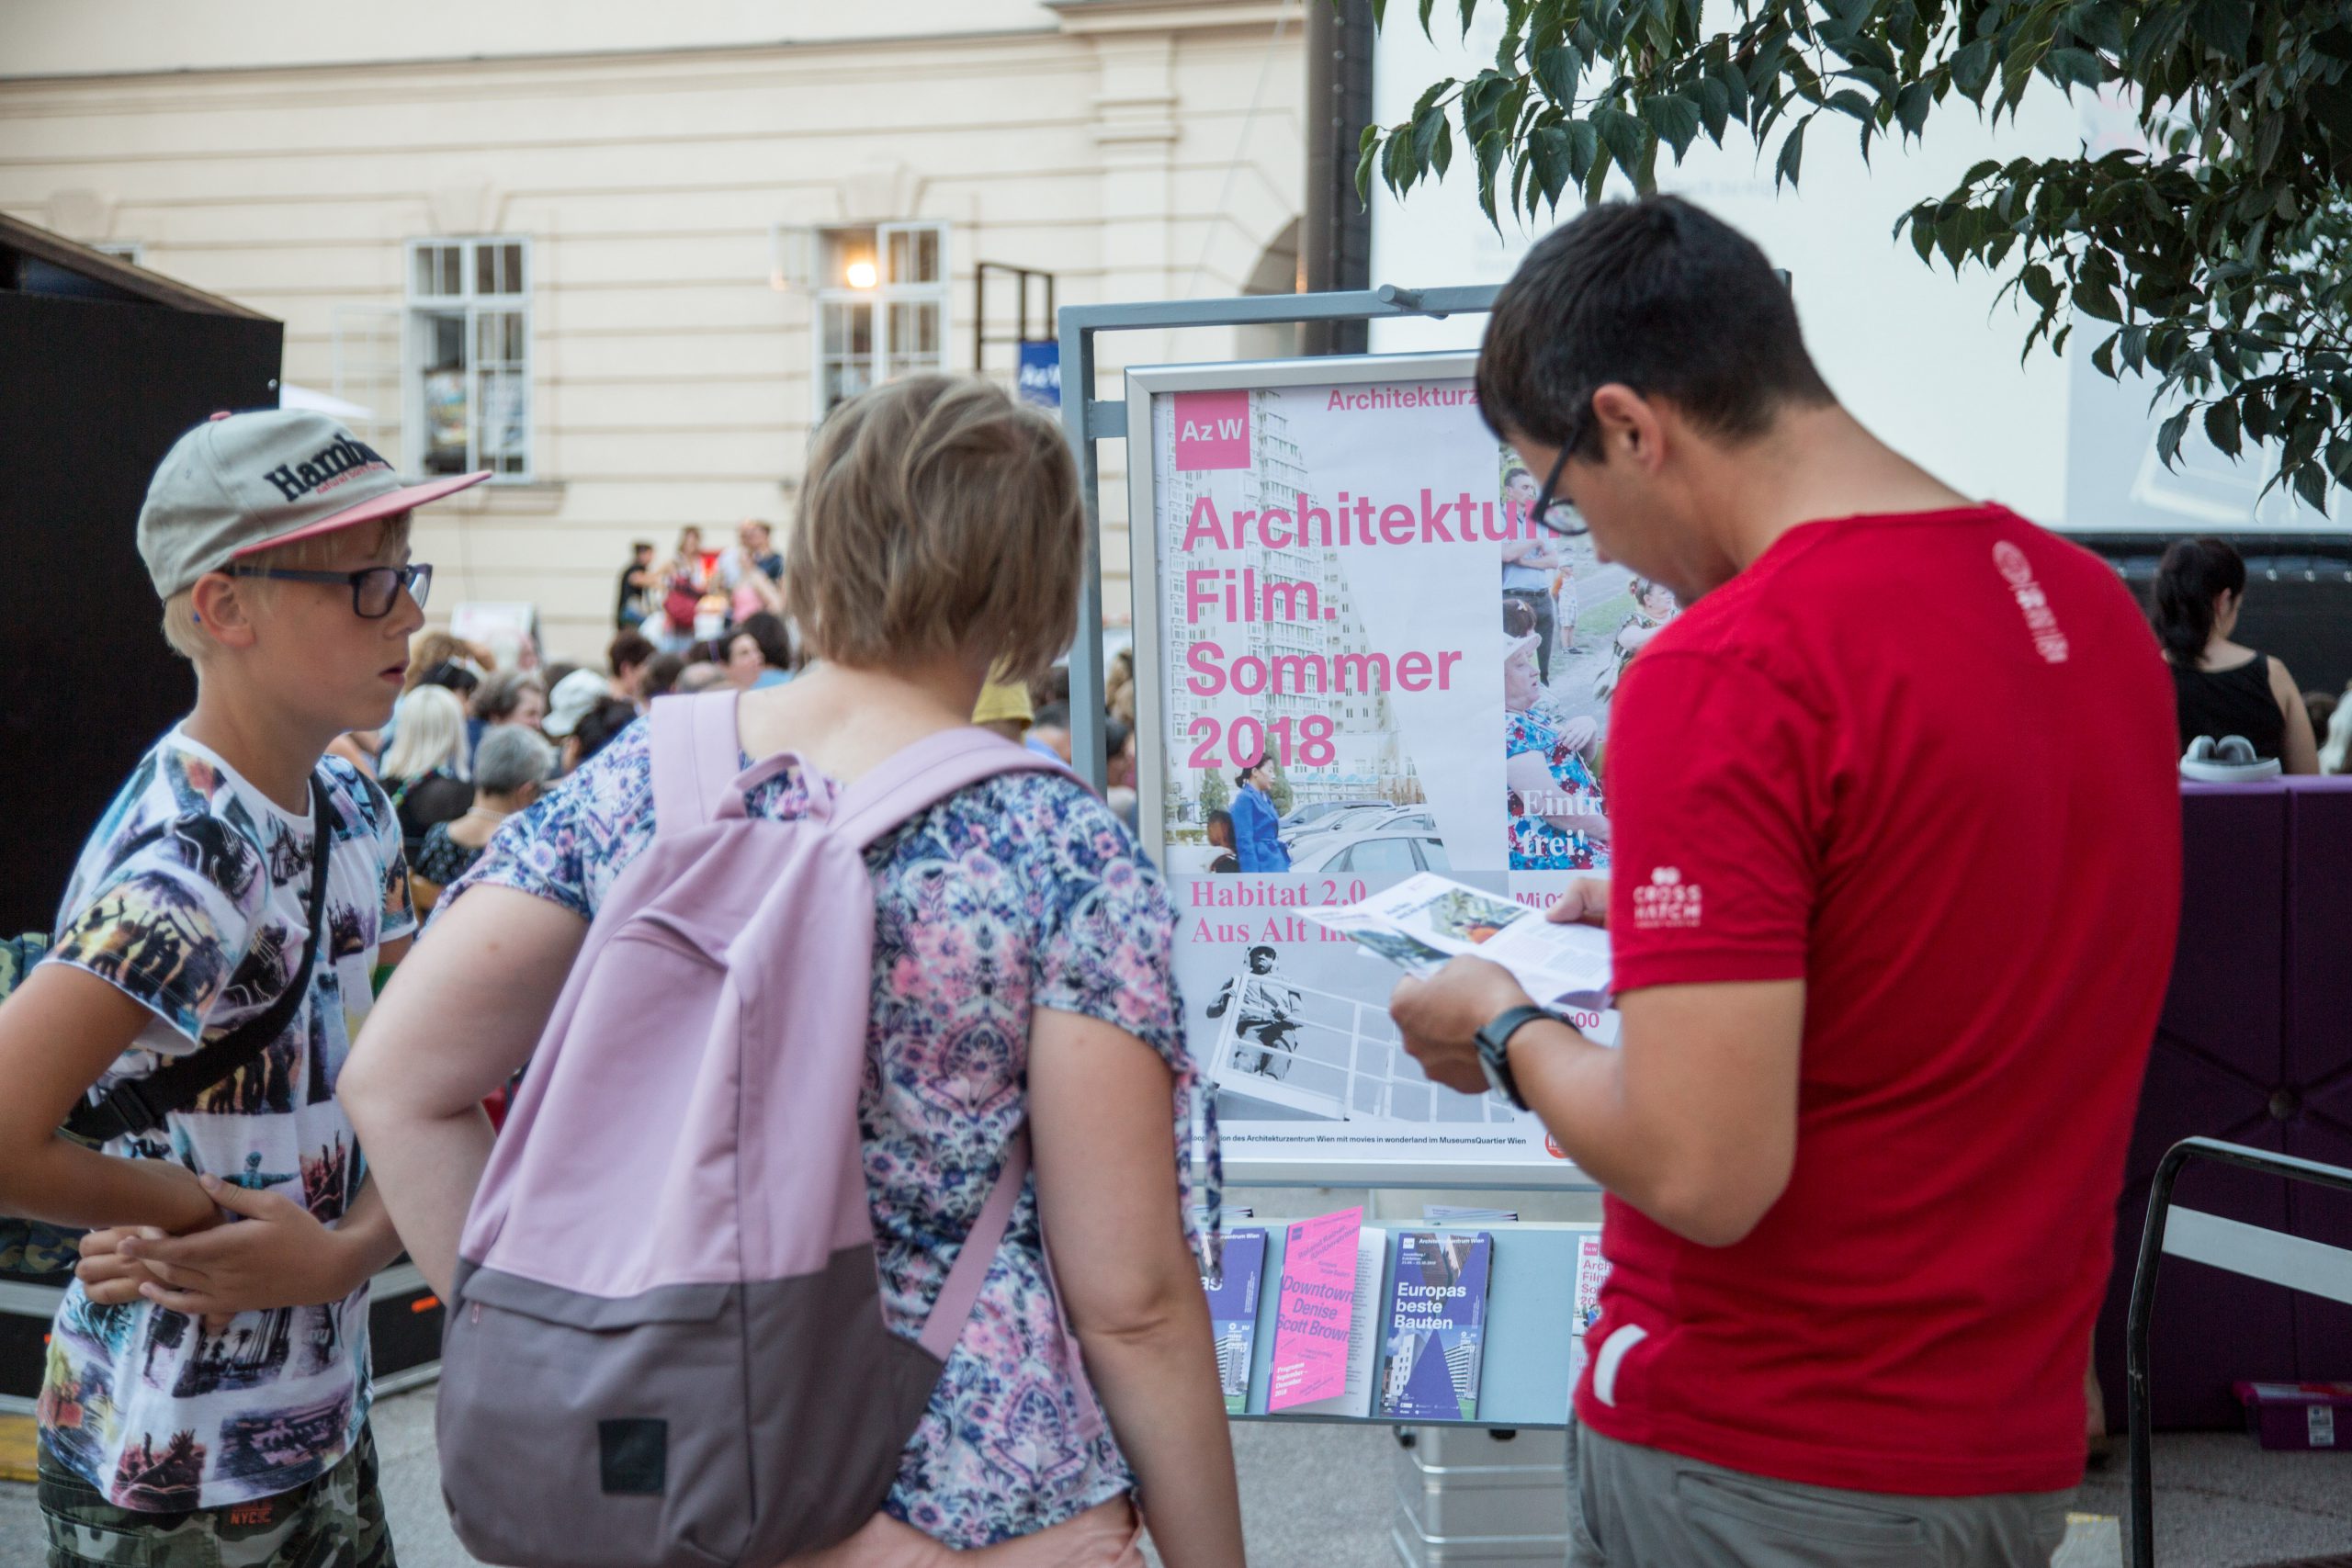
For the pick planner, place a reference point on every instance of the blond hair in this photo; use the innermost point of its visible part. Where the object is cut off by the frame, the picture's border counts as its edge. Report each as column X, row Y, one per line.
column 938, row 518
column 428, row 732
column 180, row 629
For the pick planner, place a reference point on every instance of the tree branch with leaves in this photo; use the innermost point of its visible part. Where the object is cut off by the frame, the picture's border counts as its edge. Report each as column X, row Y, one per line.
column 2211, row 257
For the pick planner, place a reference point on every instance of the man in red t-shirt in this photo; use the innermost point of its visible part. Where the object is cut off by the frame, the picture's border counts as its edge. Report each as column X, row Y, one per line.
column 1896, row 847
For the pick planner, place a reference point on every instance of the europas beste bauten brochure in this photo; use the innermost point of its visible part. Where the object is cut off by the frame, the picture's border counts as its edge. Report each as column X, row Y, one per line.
column 1437, row 1326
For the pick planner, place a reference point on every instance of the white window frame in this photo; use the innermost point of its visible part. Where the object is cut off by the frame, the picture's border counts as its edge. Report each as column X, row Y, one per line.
column 132, row 250
column 878, row 298
column 473, row 305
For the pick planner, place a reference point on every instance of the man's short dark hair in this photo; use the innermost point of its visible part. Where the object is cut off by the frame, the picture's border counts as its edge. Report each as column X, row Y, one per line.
column 1659, row 295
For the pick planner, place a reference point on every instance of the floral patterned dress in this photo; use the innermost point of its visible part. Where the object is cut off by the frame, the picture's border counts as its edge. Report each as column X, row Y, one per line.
column 1535, row 844
column 1019, row 893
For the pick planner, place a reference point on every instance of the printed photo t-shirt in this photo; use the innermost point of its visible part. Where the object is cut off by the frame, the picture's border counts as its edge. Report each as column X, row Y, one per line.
column 1924, row 763
column 191, row 898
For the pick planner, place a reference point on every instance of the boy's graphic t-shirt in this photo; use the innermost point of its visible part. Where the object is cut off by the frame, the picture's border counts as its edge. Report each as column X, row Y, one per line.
column 192, row 898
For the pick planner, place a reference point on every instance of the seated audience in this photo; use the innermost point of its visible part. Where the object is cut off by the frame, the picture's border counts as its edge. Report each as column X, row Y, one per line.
column 2221, row 687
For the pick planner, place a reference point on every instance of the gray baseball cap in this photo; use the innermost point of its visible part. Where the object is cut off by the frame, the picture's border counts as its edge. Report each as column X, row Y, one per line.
column 243, row 482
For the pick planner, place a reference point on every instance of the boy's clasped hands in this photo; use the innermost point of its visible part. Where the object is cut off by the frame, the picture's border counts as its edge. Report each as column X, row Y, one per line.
column 262, row 1249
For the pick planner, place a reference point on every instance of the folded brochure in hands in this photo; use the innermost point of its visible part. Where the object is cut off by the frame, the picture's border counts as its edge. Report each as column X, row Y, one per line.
column 1424, row 920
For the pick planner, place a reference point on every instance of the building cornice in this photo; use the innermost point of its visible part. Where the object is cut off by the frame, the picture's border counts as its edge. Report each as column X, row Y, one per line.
column 1169, row 15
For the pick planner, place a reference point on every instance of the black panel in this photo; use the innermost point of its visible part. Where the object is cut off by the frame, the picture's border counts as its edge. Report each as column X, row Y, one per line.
column 404, row 1329
column 94, row 394
column 2297, row 597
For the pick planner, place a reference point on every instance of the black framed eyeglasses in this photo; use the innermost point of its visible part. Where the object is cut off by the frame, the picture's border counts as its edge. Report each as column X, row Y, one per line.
column 374, row 590
column 1561, row 517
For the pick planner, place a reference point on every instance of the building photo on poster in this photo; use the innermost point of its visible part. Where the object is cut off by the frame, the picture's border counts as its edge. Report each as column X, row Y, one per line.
column 1361, row 660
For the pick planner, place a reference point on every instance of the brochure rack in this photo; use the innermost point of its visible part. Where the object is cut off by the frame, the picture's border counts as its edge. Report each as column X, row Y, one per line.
column 1525, row 1373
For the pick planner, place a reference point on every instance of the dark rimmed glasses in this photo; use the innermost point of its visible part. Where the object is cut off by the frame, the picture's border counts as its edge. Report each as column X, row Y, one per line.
column 374, row 590
column 1560, row 516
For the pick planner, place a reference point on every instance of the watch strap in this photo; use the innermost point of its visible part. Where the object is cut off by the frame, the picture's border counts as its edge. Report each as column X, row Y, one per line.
column 1494, row 1045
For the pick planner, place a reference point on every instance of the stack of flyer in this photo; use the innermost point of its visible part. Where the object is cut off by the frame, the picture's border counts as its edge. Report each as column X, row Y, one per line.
column 1425, row 919
column 1437, row 1326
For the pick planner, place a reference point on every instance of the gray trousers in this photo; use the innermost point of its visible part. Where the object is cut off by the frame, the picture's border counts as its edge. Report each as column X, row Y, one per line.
column 1638, row 1508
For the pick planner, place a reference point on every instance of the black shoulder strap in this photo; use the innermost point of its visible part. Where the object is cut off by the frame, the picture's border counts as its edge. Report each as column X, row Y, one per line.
column 140, row 1105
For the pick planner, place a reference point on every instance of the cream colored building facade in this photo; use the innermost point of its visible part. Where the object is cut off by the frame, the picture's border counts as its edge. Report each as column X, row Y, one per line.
column 624, row 255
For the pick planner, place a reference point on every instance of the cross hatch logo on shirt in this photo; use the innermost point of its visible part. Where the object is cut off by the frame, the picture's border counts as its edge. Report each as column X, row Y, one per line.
column 1667, row 902
column 2040, row 621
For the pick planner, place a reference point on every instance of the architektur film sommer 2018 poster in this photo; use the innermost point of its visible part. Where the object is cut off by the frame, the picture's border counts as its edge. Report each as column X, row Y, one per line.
column 1345, row 583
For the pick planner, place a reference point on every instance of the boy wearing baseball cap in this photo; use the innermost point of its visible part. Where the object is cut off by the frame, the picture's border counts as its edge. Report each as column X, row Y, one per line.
column 207, row 1388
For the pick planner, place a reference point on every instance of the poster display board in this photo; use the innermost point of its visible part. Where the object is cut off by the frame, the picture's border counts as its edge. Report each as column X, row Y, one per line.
column 1340, row 591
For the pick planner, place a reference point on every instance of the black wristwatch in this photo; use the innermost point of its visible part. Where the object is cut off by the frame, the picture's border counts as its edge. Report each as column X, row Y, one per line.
column 1494, row 1050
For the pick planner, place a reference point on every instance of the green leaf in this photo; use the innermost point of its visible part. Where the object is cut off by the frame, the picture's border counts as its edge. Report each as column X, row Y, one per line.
column 1558, row 71
column 1972, row 69
column 1624, row 136
column 1848, row 101
column 1584, row 149
column 1441, row 157
column 1425, row 134
column 1396, row 161
column 2168, row 437
column 1549, row 153
column 2073, row 68
column 1714, row 108
column 1734, row 85
column 1489, row 150
column 2097, row 300
column 2222, row 426
column 1367, row 156
column 1427, row 7
column 1791, row 156
column 1911, row 106
column 2103, row 356
column 2311, row 483
column 1674, row 118
column 2225, row 27
column 1922, row 230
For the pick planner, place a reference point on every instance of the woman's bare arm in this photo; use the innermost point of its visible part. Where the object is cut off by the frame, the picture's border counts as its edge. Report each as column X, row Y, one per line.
column 1100, row 1103
column 457, row 1020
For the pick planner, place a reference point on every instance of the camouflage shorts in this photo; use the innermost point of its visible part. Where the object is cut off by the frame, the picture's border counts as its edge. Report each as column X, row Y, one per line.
column 336, row 1521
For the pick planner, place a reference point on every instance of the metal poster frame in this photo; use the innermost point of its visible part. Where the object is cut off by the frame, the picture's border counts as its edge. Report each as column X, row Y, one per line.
column 1089, row 420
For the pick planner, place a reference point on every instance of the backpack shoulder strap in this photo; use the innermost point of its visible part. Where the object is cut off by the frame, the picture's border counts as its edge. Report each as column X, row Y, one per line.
column 140, row 1105
column 970, row 1270
column 923, row 775
column 695, row 758
column 961, row 1291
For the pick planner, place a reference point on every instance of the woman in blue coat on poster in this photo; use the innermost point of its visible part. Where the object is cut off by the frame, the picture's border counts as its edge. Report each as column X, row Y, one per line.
column 1257, row 827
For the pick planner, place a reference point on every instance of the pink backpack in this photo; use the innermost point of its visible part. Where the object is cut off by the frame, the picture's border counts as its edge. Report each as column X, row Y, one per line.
column 667, row 1347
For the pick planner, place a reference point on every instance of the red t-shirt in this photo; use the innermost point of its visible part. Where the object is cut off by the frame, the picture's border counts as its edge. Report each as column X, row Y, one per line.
column 1924, row 763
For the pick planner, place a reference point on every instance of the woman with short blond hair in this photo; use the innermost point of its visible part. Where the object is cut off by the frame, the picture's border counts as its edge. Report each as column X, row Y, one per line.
column 1022, row 971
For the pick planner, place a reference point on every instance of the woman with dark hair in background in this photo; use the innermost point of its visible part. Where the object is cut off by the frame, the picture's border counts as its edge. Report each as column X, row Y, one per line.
column 2221, row 687
column 760, row 653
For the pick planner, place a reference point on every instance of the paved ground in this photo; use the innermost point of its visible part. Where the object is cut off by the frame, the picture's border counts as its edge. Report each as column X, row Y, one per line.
column 1322, row 1497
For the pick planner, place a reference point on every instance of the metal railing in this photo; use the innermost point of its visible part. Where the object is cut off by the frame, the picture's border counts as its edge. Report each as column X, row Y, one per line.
column 2257, row 1252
